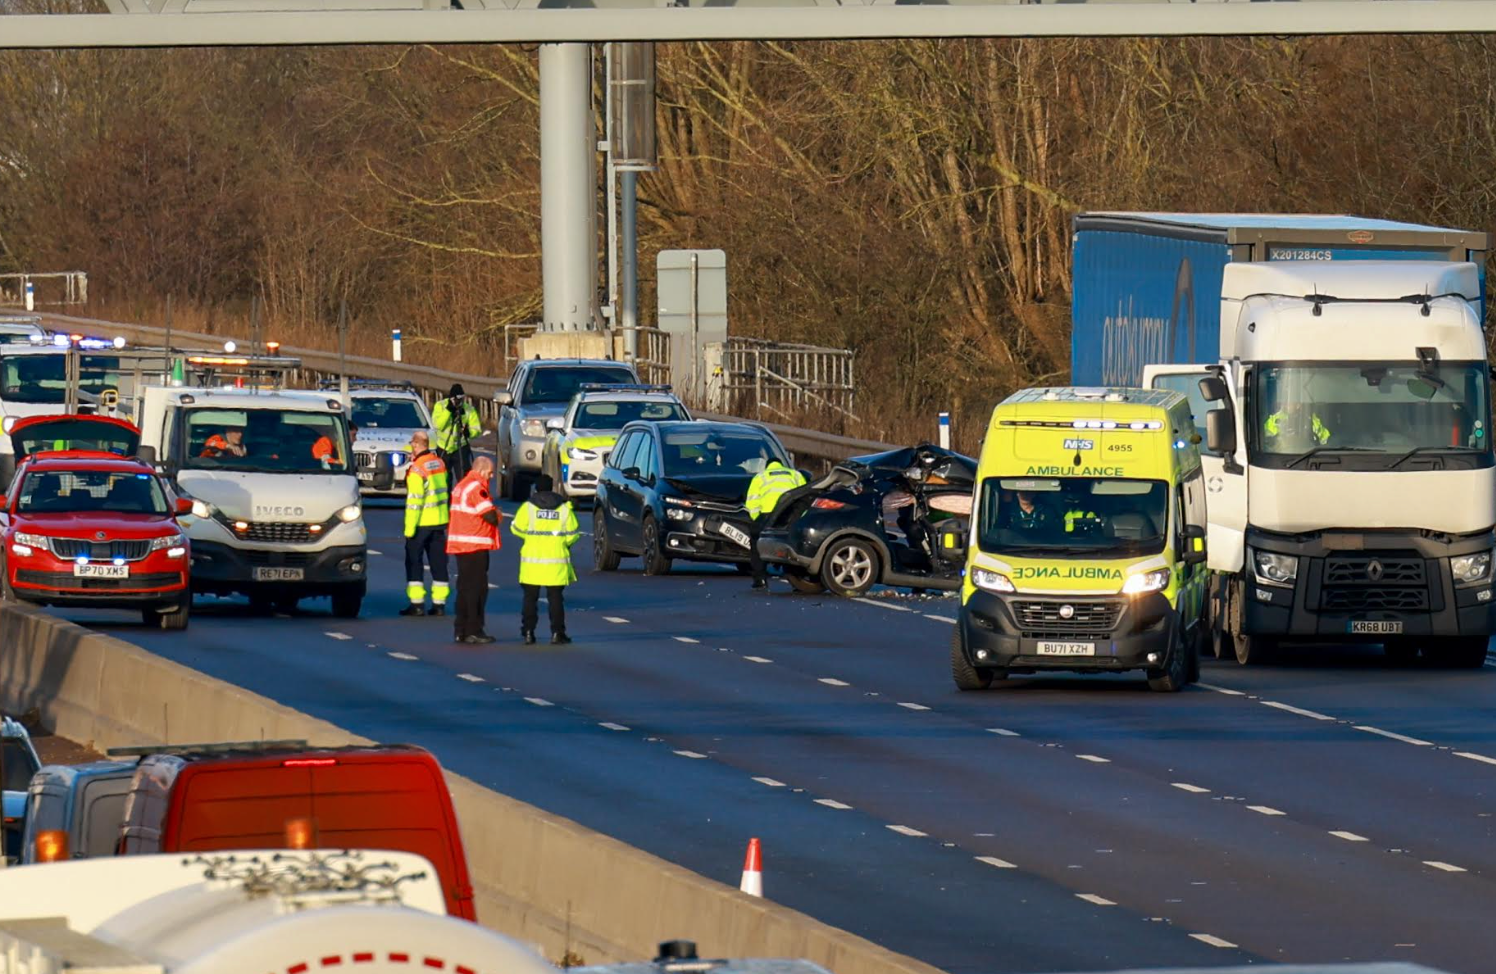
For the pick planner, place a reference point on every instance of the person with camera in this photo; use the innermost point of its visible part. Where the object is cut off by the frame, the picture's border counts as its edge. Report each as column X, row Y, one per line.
column 456, row 422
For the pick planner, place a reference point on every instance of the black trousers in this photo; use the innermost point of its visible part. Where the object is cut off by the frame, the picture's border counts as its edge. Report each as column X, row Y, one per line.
column 432, row 544
column 756, row 561
column 531, row 613
column 472, row 593
column 458, row 461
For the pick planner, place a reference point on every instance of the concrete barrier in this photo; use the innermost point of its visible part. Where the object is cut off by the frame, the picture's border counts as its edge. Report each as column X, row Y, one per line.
column 537, row 876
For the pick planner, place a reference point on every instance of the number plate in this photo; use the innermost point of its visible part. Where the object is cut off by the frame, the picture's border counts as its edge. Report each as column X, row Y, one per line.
column 1375, row 628
column 734, row 533
column 1066, row 649
column 366, row 475
column 101, row 571
column 279, row 574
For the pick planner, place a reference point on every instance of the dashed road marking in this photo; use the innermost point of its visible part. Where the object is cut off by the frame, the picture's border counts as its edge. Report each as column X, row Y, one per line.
column 1093, row 898
column 471, row 678
column 913, row 706
column 757, row 659
column 1264, row 810
column 994, row 861
column 373, row 552
column 906, row 830
column 539, row 701
column 1192, row 789
column 940, row 618
column 616, row 620
column 880, row 603
column 492, row 585
column 337, row 635
column 770, row 782
column 401, row 656
column 612, row 726
column 1226, row 690
column 1475, row 757
column 1313, row 714
column 685, row 639
column 1396, row 737
column 832, row 803
column 1213, row 941
column 832, row 681
column 1348, row 836
column 691, row 754
column 1094, row 758
column 1003, row 732
column 1447, row 867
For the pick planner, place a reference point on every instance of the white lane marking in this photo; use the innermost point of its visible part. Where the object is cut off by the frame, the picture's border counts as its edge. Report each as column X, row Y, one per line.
column 612, row 726
column 691, row 754
column 470, row 677
column 1226, row 690
column 539, row 701
column 884, row 605
column 906, row 830
column 1214, row 941
column 337, row 635
column 770, row 782
column 373, row 552
column 1094, row 758
column 1002, row 732
column 913, row 706
column 831, row 803
column 832, row 681
column 1093, row 898
column 1475, row 757
column 1316, row 715
column 940, row 618
column 994, row 861
column 1396, row 737
column 401, row 656
column 685, row 639
column 1264, row 810
column 1192, row 789
column 616, row 620
column 1348, row 836
column 757, row 659
column 1447, row 867
column 492, row 585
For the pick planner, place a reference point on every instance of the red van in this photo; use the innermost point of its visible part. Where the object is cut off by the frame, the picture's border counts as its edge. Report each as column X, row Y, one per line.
column 384, row 797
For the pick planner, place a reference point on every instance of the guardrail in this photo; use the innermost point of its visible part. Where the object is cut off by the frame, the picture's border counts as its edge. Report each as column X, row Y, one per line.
column 433, row 383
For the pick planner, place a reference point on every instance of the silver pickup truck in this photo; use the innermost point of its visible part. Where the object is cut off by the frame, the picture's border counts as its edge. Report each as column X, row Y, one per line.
column 538, row 390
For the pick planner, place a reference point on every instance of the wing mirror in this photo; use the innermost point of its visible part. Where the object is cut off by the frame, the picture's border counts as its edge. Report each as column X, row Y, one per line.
column 4, row 502
column 183, row 506
column 556, row 423
column 1220, row 431
column 146, row 454
column 632, row 473
column 1194, row 545
column 1213, row 388
column 504, row 397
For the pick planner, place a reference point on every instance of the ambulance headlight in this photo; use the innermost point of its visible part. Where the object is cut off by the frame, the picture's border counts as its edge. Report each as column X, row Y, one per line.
column 350, row 513
column 1275, row 569
column 1470, row 569
column 991, row 581
column 1145, row 582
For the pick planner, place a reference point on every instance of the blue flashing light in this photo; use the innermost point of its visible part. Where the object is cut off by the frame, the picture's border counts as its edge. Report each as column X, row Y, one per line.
column 1179, row 444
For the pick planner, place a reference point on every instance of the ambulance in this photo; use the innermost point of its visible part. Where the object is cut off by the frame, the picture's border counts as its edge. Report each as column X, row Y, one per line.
column 1086, row 546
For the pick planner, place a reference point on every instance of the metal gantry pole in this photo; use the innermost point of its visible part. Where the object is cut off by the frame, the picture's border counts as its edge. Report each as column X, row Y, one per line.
column 628, row 289
column 568, row 192
column 610, row 178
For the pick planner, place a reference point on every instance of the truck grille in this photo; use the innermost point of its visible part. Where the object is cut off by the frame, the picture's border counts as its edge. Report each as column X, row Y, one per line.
column 1374, row 570
column 1367, row 581
column 70, row 549
column 1088, row 620
column 278, row 532
column 1361, row 599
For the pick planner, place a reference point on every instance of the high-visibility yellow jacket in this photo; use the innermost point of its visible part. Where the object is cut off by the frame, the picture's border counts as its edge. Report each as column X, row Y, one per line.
column 450, row 427
column 772, row 483
column 425, row 493
column 549, row 528
column 1273, row 426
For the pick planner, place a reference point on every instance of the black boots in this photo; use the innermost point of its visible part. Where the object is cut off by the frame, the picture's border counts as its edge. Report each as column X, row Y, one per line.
column 438, row 610
column 559, row 639
column 529, row 637
column 413, row 610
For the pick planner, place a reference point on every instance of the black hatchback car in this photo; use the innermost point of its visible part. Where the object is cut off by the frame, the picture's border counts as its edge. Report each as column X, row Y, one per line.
column 676, row 490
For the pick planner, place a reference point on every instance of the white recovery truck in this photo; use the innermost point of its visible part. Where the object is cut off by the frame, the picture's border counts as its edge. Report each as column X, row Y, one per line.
column 243, row 913
column 276, row 512
column 1349, row 469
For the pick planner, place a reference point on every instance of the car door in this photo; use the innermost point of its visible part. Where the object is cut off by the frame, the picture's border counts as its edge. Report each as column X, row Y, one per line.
column 625, row 505
column 508, row 424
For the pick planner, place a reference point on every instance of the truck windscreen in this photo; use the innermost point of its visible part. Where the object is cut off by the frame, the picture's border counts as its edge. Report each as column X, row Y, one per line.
column 43, row 378
column 1094, row 516
column 266, row 440
column 1370, row 415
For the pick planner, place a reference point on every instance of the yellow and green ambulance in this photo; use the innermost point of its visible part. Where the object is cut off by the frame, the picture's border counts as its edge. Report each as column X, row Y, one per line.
column 1086, row 549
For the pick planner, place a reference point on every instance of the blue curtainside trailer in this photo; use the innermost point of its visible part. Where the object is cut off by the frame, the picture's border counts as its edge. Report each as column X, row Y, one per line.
column 1147, row 286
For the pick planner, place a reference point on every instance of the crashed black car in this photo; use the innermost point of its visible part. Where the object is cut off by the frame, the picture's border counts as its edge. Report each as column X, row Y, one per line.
column 880, row 518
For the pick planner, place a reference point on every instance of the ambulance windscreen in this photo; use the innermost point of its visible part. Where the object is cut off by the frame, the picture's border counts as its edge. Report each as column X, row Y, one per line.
column 1091, row 516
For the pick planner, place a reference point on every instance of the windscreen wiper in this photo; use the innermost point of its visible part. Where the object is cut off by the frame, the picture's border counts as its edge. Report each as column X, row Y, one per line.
column 1309, row 454
column 1428, row 449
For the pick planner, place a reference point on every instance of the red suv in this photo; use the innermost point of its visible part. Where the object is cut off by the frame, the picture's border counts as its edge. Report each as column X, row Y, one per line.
column 89, row 528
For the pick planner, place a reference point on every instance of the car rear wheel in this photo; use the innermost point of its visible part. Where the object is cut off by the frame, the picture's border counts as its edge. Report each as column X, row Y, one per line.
column 804, row 582
column 347, row 601
column 604, row 558
column 850, row 568
column 655, row 561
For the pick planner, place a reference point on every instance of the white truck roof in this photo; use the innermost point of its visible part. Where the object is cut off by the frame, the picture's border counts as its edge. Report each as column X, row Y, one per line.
column 298, row 399
column 1351, row 279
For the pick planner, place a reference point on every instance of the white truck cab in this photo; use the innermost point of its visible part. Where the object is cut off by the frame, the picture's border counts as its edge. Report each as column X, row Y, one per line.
column 276, row 513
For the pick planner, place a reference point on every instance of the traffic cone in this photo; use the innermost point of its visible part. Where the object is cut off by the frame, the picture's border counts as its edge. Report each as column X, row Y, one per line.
column 753, row 870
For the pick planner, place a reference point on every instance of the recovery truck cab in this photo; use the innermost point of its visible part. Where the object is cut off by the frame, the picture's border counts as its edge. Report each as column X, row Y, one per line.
column 1087, row 540
column 276, row 513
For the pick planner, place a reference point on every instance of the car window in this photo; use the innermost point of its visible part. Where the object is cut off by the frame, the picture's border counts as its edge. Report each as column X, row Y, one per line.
column 19, row 764
column 628, row 456
column 645, row 461
column 616, row 415
column 559, row 383
column 392, row 413
column 76, row 491
column 740, row 450
column 266, row 440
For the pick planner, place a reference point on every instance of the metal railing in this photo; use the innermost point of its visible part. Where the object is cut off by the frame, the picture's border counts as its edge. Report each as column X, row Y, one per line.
column 71, row 287
column 783, row 379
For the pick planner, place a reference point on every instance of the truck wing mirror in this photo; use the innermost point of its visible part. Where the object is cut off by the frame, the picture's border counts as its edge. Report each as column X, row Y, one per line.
column 1194, row 545
column 1220, row 432
column 503, row 397
column 146, row 454
column 1213, row 388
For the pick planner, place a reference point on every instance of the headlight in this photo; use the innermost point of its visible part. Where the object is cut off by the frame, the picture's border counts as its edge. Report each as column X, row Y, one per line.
column 677, row 514
column 1274, row 569
column 169, row 541
column 202, row 509
column 1468, row 569
column 180, row 551
column 991, row 581
column 350, row 513
column 580, row 453
column 1145, row 582
column 678, row 502
column 31, row 540
column 532, row 427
